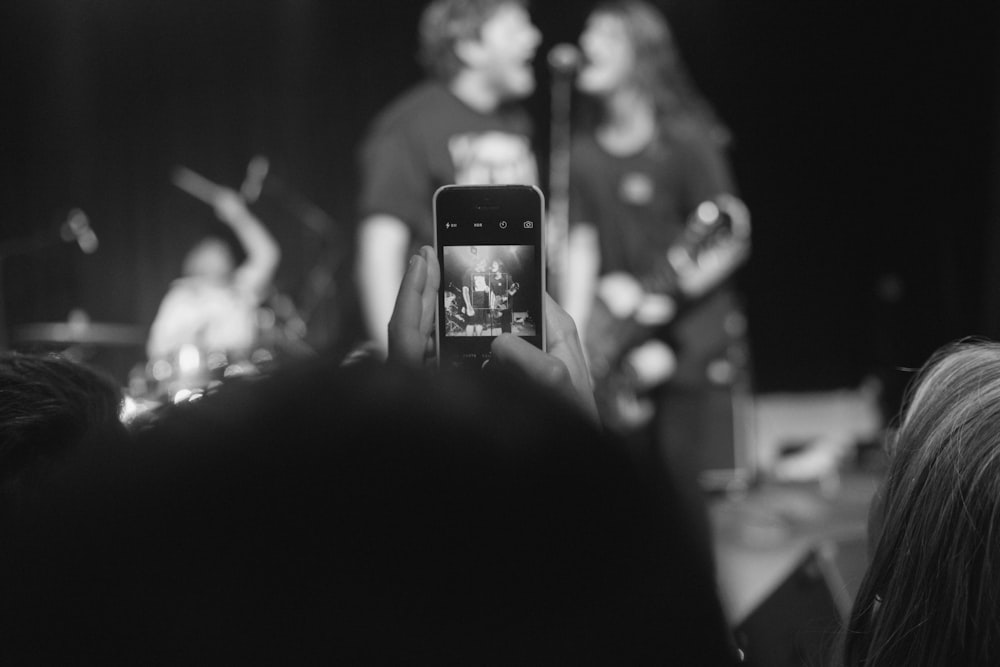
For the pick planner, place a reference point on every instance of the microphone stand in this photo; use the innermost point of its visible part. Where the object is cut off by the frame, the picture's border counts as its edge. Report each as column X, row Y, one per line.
column 559, row 163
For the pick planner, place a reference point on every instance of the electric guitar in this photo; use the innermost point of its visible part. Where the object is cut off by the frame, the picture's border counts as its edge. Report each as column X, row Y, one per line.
column 628, row 310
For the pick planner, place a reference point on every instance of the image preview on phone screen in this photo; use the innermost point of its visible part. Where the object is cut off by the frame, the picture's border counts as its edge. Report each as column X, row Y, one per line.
column 490, row 249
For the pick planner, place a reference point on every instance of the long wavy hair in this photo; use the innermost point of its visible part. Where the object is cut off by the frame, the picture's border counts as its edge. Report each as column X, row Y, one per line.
column 931, row 595
column 660, row 71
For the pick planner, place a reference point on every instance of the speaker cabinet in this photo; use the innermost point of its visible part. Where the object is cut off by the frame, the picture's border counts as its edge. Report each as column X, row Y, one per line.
column 799, row 623
column 707, row 433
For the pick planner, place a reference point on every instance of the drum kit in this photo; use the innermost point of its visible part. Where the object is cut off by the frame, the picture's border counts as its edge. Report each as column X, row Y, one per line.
column 79, row 331
column 190, row 372
column 184, row 376
column 83, row 340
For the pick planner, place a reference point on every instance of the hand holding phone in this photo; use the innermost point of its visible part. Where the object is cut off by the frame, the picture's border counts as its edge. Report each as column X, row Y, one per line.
column 411, row 337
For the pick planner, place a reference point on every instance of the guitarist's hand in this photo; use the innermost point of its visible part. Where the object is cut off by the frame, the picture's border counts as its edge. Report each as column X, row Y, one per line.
column 411, row 328
column 621, row 293
column 563, row 368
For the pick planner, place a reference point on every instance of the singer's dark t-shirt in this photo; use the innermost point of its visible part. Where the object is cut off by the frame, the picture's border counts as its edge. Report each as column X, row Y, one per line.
column 639, row 204
column 427, row 138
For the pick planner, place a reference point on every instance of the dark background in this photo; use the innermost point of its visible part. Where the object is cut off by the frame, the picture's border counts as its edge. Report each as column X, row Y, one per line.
column 865, row 147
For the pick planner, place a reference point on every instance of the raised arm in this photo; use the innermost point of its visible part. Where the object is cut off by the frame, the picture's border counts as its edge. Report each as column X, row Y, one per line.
column 263, row 254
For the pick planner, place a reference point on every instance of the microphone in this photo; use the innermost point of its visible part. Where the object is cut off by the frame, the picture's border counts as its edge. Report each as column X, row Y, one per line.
column 564, row 58
column 77, row 228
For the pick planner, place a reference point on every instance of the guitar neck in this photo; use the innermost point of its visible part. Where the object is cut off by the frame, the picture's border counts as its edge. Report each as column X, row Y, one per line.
column 696, row 252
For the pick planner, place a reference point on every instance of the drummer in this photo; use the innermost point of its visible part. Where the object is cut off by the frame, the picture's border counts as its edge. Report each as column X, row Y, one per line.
column 213, row 308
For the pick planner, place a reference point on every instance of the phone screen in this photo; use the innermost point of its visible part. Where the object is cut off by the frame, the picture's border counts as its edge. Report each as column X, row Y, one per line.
column 490, row 246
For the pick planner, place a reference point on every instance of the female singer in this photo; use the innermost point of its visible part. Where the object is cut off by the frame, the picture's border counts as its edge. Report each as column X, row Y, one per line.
column 648, row 161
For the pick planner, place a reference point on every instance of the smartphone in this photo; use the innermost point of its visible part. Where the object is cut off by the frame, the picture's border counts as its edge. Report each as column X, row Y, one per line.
column 490, row 243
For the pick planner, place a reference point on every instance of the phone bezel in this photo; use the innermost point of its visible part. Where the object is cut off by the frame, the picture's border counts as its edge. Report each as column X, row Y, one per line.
column 490, row 202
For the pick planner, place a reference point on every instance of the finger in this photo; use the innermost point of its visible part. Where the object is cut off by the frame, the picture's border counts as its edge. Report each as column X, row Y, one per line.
column 429, row 301
column 409, row 300
column 406, row 342
column 564, row 343
column 429, row 294
column 549, row 370
column 512, row 351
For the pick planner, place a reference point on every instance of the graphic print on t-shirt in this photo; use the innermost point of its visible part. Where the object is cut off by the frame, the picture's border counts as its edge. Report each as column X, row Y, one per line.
column 492, row 158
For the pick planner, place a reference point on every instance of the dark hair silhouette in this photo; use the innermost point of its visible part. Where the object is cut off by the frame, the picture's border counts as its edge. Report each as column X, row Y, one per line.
column 369, row 514
column 48, row 406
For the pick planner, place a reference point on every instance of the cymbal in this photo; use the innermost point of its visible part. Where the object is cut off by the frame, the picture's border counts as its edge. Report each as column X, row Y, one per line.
column 91, row 333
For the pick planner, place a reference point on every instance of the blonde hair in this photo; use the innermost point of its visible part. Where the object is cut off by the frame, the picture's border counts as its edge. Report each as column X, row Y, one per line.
column 931, row 595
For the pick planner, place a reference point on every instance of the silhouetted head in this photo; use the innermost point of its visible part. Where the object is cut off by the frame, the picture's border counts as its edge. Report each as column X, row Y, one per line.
column 368, row 514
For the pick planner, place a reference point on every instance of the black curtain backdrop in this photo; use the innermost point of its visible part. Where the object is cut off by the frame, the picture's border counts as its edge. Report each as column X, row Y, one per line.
column 865, row 146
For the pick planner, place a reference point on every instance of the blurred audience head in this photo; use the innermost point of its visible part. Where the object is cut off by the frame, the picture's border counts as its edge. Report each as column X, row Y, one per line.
column 370, row 514
column 49, row 405
column 931, row 595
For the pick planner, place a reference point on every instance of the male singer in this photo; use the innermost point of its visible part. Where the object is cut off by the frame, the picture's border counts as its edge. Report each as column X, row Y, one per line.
column 461, row 125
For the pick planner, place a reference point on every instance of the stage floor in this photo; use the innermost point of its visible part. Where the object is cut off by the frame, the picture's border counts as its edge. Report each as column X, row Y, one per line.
column 763, row 534
column 819, row 463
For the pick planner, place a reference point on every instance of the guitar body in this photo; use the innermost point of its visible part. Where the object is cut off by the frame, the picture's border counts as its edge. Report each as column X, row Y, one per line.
column 625, row 318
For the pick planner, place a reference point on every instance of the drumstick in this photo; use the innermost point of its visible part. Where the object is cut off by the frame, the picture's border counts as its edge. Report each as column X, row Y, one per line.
column 197, row 185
